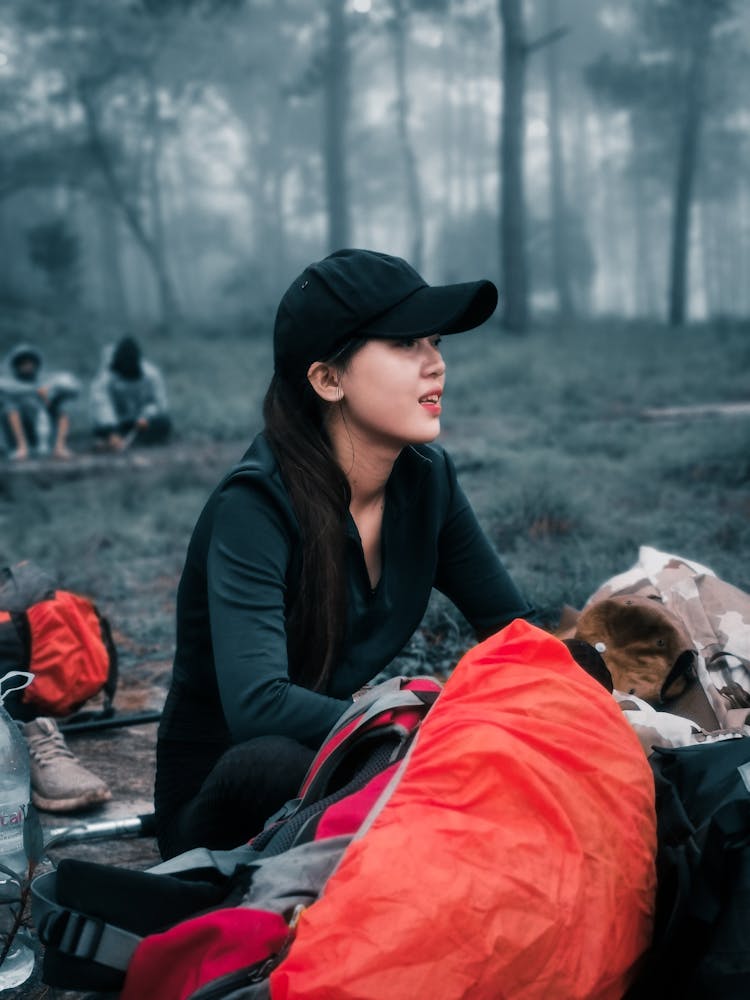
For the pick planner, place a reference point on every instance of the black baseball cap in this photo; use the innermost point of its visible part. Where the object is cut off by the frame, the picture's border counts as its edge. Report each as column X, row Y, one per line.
column 363, row 293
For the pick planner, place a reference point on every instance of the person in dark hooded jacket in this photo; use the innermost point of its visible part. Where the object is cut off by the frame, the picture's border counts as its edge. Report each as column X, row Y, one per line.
column 128, row 399
column 33, row 405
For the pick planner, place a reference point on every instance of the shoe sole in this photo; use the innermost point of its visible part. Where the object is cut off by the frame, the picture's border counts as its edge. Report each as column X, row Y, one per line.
column 91, row 798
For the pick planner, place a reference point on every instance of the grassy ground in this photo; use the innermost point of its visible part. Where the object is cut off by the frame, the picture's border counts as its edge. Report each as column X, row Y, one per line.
column 566, row 475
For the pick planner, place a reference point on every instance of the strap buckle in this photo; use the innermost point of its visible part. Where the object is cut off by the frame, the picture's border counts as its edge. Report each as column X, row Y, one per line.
column 72, row 932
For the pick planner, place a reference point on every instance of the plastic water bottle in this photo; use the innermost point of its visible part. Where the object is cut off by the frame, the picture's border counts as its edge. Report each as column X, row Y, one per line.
column 14, row 803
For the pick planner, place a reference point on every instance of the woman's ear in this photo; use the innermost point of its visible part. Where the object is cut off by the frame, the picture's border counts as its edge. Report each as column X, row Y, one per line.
column 326, row 381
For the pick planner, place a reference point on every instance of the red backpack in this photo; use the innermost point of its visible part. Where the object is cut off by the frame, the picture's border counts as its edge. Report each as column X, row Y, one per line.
column 58, row 636
column 179, row 925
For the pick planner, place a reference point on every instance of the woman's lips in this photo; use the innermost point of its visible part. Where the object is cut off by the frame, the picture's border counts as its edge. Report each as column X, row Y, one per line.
column 431, row 402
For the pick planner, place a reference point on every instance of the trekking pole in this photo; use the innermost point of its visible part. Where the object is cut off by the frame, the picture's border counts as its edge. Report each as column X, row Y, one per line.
column 109, row 722
column 108, row 829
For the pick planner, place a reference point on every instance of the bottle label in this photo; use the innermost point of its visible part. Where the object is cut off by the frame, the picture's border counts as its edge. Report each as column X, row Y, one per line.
column 12, row 818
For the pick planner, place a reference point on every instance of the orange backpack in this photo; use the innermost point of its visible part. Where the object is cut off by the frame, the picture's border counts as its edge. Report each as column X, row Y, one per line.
column 60, row 638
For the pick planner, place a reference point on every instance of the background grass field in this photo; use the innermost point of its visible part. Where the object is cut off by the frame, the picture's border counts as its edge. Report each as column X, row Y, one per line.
column 566, row 474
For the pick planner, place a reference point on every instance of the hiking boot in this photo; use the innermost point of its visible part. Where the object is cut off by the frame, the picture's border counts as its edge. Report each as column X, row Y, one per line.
column 59, row 782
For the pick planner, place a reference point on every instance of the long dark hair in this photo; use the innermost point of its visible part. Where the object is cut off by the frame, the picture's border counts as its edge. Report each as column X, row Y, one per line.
column 320, row 494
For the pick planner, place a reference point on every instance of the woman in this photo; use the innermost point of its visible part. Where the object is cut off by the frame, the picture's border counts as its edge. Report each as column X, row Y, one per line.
column 313, row 561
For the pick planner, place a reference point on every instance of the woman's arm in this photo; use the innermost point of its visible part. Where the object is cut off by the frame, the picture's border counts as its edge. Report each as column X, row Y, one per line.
column 248, row 558
column 470, row 572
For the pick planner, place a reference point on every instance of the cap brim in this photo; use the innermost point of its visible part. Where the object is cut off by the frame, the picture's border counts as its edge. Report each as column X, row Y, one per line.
column 436, row 309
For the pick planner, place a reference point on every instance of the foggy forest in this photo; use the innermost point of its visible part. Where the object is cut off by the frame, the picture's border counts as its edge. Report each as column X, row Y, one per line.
column 167, row 167
column 178, row 161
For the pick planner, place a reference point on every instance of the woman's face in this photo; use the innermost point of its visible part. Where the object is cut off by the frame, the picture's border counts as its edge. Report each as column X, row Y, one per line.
column 391, row 391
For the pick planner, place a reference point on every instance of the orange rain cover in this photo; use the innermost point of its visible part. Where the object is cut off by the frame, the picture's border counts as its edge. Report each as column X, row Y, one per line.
column 515, row 859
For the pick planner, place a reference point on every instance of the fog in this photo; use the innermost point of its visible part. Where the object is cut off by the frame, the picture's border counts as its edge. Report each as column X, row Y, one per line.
column 177, row 161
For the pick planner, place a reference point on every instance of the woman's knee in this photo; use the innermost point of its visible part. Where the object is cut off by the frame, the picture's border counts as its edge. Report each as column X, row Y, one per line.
column 263, row 764
column 247, row 784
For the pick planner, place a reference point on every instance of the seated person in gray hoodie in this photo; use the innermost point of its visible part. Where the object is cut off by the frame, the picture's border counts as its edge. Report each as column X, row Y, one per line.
column 32, row 405
column 128, row 399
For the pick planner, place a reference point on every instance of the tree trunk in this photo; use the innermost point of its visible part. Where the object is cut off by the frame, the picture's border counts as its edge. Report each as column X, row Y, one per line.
column 411, row 175
column 558, row 201
column 266, row 117
column 708, row 272
column 178, row 189
column 582, row 178
column 447, row 143
column 512, row 209
column 278, row 145
column 647, row 299
column 265, row 190
column 101, row 157
column 110, row 261
column 743, row 256
column 167, row 294
column 651, row 295
column 335, row 114
column 687, row 160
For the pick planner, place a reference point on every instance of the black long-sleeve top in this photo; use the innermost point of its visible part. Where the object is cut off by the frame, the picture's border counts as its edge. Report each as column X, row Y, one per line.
column 230, row 680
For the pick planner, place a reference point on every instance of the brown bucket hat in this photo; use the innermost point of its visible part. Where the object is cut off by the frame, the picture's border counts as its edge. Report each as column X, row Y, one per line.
column 645, row 647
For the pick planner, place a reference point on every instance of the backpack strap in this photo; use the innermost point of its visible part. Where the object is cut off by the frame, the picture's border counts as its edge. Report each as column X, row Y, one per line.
column 199, row 859
column 383, row 710
column 76, row 934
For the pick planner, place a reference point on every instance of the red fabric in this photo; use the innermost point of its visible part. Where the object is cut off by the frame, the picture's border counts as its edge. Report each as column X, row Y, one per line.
column 172, row 965
column 423, row 684
column 346, row 816
column 69, row 660
column 326, row 750
column 407, row 718
column 515, row 859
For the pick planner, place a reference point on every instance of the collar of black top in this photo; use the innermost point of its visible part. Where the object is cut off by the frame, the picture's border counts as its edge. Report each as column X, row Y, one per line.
column 361, row 293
